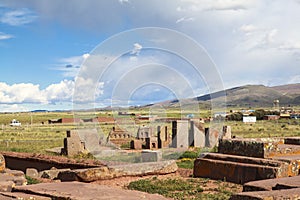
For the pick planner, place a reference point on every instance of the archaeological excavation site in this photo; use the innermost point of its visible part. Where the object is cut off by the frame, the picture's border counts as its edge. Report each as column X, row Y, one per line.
column 252, row 168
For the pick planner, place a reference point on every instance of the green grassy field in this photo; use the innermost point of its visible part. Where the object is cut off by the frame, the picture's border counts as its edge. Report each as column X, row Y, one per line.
column 35, row 135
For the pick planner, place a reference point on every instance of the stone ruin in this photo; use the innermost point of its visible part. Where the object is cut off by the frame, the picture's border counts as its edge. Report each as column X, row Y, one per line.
column 83, row 141
column 119, row 137
column 184, row 133
column 264, row 166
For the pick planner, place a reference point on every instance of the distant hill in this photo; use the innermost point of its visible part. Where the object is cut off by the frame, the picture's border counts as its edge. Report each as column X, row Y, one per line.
column 258, row 95
column 248, row 96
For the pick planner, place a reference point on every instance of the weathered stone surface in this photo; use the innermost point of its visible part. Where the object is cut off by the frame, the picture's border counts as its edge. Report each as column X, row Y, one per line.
column 150, row 168
column 242, row 159
column 293, row 161
column 238, row 169
column 151, row 156
column 180, row 130
column 3, row 197
column 292, row 140
column 138, row 169
column 259, row 148
column 2, row 163
column 211, row 137
column 136, row 144
column 22, row 161
column 197, row 134
column 6, row 186
column 268, row 195
column 52, row 173
column 89, row 175
column 17, row 177
column 283, row 150
column 32, row 172
column 272, row 184
column 84, row 191
column 21, row 196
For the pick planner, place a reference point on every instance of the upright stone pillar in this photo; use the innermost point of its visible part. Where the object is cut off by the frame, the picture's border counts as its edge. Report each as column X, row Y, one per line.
column 180, row 134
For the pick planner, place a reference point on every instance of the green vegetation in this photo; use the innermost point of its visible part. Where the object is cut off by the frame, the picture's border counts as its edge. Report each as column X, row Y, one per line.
column 263, row 128
column 185, row 189
column 31, row 181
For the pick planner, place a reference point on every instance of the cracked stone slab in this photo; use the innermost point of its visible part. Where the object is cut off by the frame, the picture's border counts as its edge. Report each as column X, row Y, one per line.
column 102, row 173
column 85, row 191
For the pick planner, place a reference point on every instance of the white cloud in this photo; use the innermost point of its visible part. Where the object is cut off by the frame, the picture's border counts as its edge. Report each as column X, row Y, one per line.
column 136, row 49
column 13, row 108
column 4, row 36
column 18, row 17
column 250, row 41
column 62, row 91
column 70, row 66
column 124, row 1
column 200, row 5
column 184, row 19
column 248, row 28
column 28, row 93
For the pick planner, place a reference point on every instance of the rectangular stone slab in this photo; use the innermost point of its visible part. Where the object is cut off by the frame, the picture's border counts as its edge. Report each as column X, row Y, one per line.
column 260, row 147
column 271, row 184
column 84, row 191
column 237, row 172
column 242, row 159
column 268, row 195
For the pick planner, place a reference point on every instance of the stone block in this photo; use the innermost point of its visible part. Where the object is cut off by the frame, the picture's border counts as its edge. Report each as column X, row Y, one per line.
column 74, row 146
column 211, row 137
column 163, row 138
column 52, row 173
column 103, row 173
column 151, row 156
column 136, row 144
column 238, row 169
column 272, row 184
column 180, row 134
column 292, row 140
column 226, row 132
column 22, row 196
column 80, row 191
column 6, row 186
column 251, row 148
column 32, row 172
column 268, row 195
column 2, row 163
column 259, row 147
column 197, row 135
column 17, row 180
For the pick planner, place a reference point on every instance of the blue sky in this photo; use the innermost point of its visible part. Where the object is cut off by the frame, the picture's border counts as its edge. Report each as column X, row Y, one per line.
column 43, row 45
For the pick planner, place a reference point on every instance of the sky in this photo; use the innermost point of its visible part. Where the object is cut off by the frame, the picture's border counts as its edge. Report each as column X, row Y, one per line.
column 75, row 54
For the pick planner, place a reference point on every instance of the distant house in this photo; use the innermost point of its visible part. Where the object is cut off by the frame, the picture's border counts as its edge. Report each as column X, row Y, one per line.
column 125, row 114
column 147, row 117
column 249, row 119
column 64, row 120
column 271, row 117
column 220, row 114
column 285, row 115
column 109, row 120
